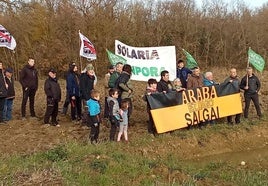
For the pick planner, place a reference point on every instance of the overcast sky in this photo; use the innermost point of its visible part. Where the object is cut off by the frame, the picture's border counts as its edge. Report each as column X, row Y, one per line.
column 250, row 3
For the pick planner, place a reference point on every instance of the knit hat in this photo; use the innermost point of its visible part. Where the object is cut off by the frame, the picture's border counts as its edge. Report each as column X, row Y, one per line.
column 10, row 70
column 89, row 67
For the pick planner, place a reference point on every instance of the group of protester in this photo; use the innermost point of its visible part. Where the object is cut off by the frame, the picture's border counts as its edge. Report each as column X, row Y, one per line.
column 189, row 79
column 81, row 93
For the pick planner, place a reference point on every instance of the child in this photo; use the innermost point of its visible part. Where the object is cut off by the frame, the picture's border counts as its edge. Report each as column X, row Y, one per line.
column 151, row 88
column 53, row 93
column 124, row 122
column 114, row 112
column 10, row 95
column 178, row 85
column 94, row 110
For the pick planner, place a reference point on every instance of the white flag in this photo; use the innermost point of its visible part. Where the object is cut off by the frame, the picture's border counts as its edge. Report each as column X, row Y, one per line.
column 6, row 39
column 87, row 49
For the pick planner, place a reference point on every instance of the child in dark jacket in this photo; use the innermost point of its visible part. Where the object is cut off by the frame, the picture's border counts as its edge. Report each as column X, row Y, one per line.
column 114, row 111
column 151, row 88
column 94, row 110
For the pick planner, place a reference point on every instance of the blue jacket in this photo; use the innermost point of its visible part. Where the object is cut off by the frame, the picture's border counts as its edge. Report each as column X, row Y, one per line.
column 93, row 107
column 182, row 74
column 73, row 88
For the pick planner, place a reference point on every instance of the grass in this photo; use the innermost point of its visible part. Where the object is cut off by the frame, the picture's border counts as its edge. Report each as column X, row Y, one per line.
column 141, row 162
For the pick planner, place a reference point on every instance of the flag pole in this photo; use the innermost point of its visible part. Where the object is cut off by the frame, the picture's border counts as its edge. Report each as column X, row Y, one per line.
column 80, row 60
column 247, row 67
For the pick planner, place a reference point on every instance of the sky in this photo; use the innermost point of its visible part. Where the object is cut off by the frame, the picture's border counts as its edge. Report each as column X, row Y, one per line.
column 252, row 4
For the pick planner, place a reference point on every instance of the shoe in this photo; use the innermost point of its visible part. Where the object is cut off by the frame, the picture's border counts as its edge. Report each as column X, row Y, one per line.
column 230, row 122
column 23, row 118
column 237, row 122
column 58, row 125
column 3, row 122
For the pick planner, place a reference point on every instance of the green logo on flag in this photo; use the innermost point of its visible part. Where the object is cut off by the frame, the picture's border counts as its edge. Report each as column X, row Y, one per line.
column 113, row 58
column 256, row 60
column 190, row 61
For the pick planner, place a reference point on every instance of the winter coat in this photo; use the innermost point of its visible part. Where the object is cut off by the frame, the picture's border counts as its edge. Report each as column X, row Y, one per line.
column 73, row 87
column 29, row 77
column 3, row 90
column 195, row 81
column 52, row 89
column 164, row 86
column 86, row 85
column 10, row 89
column 182, row 74
column 254, row 84
column 123, row 84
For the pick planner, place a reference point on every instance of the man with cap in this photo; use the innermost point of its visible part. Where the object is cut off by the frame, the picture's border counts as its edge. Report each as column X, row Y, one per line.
column 29, row 83
column 53, row 93
column 7, row 114
column 183, row 73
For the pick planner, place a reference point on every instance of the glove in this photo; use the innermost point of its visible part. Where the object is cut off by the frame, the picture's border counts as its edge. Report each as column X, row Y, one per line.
column 95, row 124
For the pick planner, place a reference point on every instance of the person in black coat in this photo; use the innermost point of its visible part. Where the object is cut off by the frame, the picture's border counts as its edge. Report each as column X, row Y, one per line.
column 87, row 82
column 3, row 92
column 164, row 85
column 53, row 93
column 29, row 83
column 251, row 86
column 7, row 115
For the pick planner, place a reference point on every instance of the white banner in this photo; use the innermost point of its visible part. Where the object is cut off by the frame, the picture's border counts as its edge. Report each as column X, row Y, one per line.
column 148, row 62
column 87, row 49
column 6, row 39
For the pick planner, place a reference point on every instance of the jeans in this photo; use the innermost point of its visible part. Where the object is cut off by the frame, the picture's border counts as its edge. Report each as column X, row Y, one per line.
column 7, row 112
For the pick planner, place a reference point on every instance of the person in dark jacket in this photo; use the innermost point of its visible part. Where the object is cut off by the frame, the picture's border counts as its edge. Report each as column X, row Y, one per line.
column 53, row 93
column 67, row 97
column 87, row 82
column 7, row 115
column 183, row 73
column 234, row 80
column 29, row 83
column 251, row 86
column 73, row 88
column 164, row 85
column 3, row 92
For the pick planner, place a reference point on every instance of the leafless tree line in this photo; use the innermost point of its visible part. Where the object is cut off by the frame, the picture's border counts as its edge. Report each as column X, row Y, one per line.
column 215, row 34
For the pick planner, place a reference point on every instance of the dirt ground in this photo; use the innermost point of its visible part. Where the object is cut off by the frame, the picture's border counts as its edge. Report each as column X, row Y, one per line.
column 26, row 137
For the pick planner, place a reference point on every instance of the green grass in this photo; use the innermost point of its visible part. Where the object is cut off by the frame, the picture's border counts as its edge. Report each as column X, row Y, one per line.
column 141, row 162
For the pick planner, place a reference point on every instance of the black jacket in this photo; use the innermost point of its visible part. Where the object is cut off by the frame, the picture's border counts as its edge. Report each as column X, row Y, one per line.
column 29, row 77
column 52, row 89
column 3, row 90
column 86, row 85
column 164, row 86
column 254, row 84
column 10, row 89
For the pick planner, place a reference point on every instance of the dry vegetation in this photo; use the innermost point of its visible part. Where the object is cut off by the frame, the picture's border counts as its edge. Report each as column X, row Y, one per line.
column 217, row 33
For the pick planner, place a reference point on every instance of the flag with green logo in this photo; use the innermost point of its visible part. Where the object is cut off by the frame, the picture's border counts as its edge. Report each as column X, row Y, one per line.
column 113, row 58
column 190, row 61
column 255, row 60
